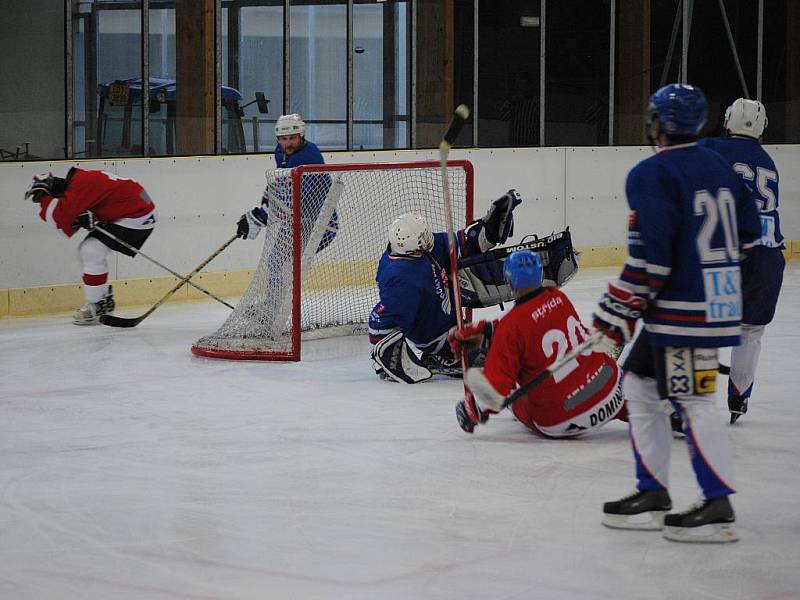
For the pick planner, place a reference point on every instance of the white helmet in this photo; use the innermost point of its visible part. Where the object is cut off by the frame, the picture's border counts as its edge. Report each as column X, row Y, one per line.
column 410, row 233
column 746, row 117
column 289, row 125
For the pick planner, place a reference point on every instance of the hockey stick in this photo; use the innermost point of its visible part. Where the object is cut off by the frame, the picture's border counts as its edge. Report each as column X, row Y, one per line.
column 524, row 389
column 155, row 262
column 114, row 321
column 459, row 119
column 544, row 243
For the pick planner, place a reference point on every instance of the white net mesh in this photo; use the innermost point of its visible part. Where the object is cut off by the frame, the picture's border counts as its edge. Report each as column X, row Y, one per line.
column 346, row 213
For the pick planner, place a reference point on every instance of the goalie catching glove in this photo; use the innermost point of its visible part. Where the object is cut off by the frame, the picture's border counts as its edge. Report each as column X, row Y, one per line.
column 616, row 316
column 497, row 225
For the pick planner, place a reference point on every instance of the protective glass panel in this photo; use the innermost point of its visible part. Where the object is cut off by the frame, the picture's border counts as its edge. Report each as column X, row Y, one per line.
column 318, row 64
column 163, row 77
column 577, row 73
column 781, row 78
column 107, row 41
column 380, row 51
column 32, row 105
column 712, row 63
column 508, row 74
column 254, row 60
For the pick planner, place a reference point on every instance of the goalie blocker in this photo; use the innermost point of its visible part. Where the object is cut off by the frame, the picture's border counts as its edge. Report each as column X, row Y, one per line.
column 480, row 277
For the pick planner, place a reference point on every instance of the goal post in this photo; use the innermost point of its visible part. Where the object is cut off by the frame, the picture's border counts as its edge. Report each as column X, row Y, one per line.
column 327, row 226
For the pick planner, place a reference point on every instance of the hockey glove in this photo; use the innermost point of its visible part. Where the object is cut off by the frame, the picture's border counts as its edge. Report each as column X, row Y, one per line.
column 469, row 337
column 250, row 223
column 40, row 184
column 469, row 414
column 617, row 313
column 86, row 220
column 499, row 220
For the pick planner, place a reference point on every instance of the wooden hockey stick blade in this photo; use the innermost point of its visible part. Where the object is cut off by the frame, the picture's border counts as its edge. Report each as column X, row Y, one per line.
column 114, row 321
column 155, row 262
column 526, row 388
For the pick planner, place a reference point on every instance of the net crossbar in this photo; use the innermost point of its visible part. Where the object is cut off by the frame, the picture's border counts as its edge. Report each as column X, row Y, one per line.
column 326, row 229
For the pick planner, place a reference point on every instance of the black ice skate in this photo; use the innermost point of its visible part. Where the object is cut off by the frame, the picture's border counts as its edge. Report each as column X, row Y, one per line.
column 441, row 366
column 737, row 405
column 706, row 521
column 676, row 423
column 643, row 509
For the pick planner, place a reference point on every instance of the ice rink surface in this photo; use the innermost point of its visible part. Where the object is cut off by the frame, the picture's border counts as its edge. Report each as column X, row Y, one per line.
column 130, row 469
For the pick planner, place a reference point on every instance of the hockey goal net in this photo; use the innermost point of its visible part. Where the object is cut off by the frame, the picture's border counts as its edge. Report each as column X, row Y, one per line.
column 327, row 226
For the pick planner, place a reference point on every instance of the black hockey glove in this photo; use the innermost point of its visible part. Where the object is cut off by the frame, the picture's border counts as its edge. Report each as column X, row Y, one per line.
column 469, row 414
column 40, row 184
column 85, row 220
column 249, row 224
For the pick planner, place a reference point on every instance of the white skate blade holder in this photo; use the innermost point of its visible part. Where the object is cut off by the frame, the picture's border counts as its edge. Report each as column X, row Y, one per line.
column 715, row 533
column 645, row 521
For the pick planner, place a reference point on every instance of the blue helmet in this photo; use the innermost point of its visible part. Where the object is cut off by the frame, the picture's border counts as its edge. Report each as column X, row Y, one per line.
column 681, row 109
column 523, row 270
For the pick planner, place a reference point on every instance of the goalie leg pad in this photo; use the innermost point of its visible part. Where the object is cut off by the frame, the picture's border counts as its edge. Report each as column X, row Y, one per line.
column 398, row 361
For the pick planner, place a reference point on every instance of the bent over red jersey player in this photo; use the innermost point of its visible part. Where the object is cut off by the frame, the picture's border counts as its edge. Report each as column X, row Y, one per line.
column 541, row 328
column 82, row 199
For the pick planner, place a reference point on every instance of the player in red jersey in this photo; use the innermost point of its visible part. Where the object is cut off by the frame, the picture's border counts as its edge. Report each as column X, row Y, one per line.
column 542, row 327
column 82, row 199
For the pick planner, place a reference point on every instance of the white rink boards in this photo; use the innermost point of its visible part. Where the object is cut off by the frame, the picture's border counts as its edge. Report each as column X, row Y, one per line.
column 131, row 469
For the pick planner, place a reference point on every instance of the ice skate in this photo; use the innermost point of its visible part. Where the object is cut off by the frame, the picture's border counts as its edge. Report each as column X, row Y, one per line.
column 737, row 405
column 676, row 423
column 706, row 521
column 89, row 313
column 643, row 509
column 442, row 366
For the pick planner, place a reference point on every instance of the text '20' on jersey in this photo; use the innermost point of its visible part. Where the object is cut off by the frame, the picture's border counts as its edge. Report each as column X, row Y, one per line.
column 688, row 211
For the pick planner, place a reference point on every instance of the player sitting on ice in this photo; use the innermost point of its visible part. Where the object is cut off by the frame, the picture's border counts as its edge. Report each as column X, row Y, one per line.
column 82, row 199
column 543, row 326
column 416, row 309
column 415, row 298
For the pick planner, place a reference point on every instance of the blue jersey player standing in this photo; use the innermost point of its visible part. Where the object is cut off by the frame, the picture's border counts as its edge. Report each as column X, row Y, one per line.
column 292, row 150
column 762, row 267
column 690, row 216
column 415, row 298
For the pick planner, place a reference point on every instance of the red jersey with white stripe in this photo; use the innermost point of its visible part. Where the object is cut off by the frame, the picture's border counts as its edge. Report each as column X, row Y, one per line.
column 110, row 198
column 541, row 328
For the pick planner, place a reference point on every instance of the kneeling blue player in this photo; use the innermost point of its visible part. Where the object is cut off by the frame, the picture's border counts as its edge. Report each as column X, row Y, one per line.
column 408, row 326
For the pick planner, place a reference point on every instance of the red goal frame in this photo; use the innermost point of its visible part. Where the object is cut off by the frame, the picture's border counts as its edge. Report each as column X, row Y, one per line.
column 294, row 353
